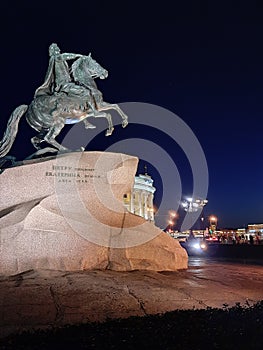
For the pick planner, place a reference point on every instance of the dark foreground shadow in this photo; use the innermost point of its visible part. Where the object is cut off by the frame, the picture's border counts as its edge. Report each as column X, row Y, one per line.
column 228, row 328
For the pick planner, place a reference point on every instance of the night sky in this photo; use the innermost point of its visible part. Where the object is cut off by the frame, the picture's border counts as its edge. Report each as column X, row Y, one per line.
column 202, row 60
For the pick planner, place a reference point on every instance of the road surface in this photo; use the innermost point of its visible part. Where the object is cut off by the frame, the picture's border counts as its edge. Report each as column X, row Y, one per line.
column 44, row 298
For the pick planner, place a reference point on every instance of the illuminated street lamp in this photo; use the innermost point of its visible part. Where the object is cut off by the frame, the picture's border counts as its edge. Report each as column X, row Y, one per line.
column 170, row 222
column 212, row 223
column 192, row 205
column 172, row 216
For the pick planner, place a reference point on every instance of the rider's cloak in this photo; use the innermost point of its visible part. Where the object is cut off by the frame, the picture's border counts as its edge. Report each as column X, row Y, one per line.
column 47, row 88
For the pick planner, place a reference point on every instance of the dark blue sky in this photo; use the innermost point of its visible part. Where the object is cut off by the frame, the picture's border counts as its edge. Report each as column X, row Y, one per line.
column 203, row 60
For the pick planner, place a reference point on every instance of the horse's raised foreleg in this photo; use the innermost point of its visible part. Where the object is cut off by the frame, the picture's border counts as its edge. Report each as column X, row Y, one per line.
column 104, row 106
column 109, row 119
column 52, row 133
column 88, row 125
column 110, row 128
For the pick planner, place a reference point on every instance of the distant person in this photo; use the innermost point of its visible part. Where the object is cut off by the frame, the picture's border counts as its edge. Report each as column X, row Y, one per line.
column 191, row 236
column 251, row 239
column 257, row 239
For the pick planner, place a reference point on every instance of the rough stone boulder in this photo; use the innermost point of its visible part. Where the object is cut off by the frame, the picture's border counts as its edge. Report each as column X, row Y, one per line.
column 67, row 213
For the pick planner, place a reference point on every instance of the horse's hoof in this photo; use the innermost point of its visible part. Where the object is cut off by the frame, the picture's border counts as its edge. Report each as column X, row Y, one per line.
column 109, row 132
column 90, row 126
column 124, row 124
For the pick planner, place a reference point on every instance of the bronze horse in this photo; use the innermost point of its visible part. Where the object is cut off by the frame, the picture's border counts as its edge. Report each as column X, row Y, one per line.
column 48, row 114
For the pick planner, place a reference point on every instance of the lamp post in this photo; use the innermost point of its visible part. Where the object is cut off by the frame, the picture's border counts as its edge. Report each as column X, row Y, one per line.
column 192, row 205
column 170, row 222
column 172, row 216
column 212, row 223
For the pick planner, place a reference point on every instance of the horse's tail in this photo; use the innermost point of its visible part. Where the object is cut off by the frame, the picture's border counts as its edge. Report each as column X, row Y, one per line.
column 11, row 130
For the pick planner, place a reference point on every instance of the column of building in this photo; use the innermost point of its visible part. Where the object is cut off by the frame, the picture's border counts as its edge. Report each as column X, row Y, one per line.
column 140, row 200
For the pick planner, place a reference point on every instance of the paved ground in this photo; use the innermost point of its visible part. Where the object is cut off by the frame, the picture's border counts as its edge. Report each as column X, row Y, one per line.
column 44, row 298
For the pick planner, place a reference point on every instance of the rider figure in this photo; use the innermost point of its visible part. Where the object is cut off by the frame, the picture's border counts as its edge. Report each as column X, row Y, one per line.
column 58, row 79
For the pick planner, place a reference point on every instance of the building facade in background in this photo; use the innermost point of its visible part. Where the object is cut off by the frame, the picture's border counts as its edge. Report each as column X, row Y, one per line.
column 255, row 228
column 140, row 200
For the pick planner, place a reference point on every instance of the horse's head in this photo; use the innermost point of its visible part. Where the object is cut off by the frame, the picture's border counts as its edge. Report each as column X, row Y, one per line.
column 88, row 66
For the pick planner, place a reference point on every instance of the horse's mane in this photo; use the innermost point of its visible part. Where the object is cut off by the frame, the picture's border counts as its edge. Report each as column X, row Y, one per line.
column 76, row 70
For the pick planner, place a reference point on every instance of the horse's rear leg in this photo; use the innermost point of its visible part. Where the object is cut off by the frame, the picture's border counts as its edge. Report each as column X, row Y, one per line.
column 36, row 140
column 52, row 133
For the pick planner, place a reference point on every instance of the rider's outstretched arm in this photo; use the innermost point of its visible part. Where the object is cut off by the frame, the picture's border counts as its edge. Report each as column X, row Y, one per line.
column 70, row 56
